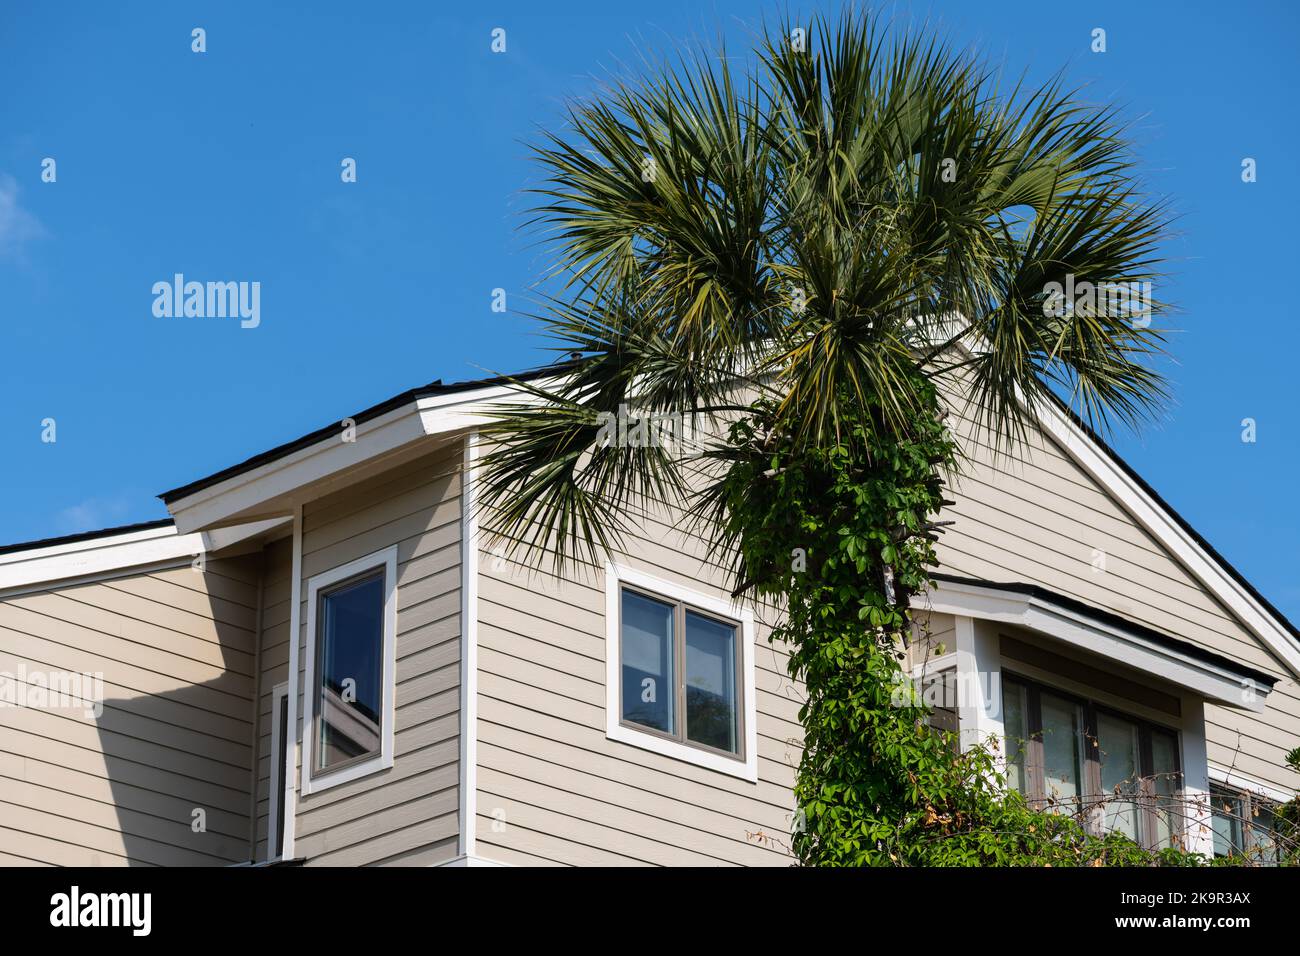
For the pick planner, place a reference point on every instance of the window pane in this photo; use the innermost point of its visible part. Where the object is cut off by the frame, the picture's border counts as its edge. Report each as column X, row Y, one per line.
column 281, row 754
column 1166, row 782
column 1062, row 752
column 1121, row 772
column 349, row 692
column 647, row 663
column 1263, row 831
column 1016, row 725
column 711, row 683
column 1227, row 821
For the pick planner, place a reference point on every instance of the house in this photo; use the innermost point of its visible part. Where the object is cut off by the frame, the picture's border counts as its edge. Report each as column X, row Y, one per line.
column 319, row 659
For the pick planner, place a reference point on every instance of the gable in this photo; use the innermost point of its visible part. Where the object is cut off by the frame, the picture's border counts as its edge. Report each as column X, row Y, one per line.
column 1036, row 516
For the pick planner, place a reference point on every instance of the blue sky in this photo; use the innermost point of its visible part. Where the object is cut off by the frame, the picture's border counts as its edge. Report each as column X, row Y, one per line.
column 225, row 166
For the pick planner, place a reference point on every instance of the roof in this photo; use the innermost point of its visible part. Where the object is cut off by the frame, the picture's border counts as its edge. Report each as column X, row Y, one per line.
column 1186, row 648
column 374, row 411
column 1182, row 522
column 85, row 536
column 438, row 388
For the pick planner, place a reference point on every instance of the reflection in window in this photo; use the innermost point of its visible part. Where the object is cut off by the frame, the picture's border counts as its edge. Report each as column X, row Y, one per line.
column 349, row 658
column 680, row 672
column 647, row 657
column 1119, row 773
column 1062, row 723
column 711, row 682
column 1015, row 721
column 1243, row 824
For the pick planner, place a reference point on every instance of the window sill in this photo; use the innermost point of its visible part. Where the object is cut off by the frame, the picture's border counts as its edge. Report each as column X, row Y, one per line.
column 316, row 784
column 744, row 769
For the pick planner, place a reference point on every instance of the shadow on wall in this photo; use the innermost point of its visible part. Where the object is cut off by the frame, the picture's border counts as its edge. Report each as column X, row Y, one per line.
column 179, row 761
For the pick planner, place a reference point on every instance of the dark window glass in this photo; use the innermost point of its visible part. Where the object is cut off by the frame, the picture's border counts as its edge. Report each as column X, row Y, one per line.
column 711, row 682
column 1228, row 821
column 349, row 687
column 1066, row 755
column 679, row 672
column 282, row 754
column 647, row 656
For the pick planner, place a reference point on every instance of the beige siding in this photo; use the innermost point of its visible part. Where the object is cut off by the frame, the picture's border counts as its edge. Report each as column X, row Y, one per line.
column 175, row 647
column 407, row 814
column 552, row 789
column 277, row 574
column 1041, row 519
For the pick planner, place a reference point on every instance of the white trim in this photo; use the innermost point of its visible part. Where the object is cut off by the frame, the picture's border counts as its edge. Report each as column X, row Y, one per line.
column 933, row 666
column 295, row 730
column 470, row 860
column 277, row 795
column 384, row 435
column 312, row 781
column 249, row 490
column 1171, row 534
column 444, row 414
column 614, row 729
column 1026, row 610
column 979, row 684
column 110, row 553
column 1236, row 780
column 469, row 651
column 88, row 544
column 1195, row 791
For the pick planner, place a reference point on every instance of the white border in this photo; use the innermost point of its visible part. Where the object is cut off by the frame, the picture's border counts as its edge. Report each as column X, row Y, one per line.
column 1236, row 780
column 1008, row 606
column 313, row 782
column 278, row 790
column 109, row 553
column 295, row 728
column 614, row 730
column 468, row 651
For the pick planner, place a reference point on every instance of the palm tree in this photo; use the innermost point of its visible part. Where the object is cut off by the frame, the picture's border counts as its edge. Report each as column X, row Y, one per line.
column 802, row 258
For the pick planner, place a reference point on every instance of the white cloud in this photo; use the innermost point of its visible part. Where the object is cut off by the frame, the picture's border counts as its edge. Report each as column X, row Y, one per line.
column 93, row 514
column 17, row 225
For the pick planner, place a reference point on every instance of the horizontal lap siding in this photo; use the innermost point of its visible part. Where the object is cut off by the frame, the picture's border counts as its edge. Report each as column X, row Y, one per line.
column 406, row 815
column 1038, row 518
column 276, row 594
column 175, row 647
column 552, row 790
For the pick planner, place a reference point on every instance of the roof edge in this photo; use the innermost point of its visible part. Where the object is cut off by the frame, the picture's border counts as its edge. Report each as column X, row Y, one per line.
column 1117, row 621
column 86, row 536
column 410, row 396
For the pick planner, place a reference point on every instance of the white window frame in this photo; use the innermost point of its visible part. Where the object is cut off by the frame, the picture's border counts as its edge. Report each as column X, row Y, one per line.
column 278, row 772
column 617, row 576
column 314, row 781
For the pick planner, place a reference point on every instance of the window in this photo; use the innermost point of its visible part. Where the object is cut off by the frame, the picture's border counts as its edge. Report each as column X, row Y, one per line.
column 680, row 673
column 279, row 757
column 352, row 625
column 1243, row 824
column 661, row 639
column 1067, row 755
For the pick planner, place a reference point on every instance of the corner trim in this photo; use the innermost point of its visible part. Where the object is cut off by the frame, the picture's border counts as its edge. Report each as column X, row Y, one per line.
column 295, row 689
column 469, row 652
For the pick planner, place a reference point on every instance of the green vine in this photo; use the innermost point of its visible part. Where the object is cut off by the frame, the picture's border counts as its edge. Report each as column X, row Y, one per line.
column 842, row 536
